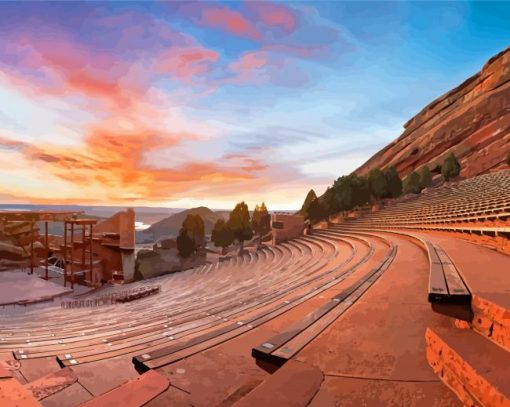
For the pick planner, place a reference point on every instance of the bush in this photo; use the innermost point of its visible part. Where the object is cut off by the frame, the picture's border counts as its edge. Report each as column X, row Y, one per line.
column 451, row 167
column 394, row 182
column 351, row 191
column 378, row 183
column 412, row 183
column 185, row 245
column 425, row 177
column 317, row 211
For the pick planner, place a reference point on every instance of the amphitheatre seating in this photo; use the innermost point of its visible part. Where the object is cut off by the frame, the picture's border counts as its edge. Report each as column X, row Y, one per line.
column 486, row 196
column 445, row 283
column 226, row 294
column 282, row 347
column 473, row 357
column 314, row 280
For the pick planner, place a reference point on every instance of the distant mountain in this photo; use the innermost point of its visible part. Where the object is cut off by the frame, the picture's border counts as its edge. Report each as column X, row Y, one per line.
column 170, row 226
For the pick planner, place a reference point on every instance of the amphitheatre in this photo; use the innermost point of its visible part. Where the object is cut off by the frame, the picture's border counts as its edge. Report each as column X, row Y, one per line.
column 405, row 303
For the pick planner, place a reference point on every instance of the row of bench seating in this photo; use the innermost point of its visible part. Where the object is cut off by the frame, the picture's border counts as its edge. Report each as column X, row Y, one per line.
column 254, row 283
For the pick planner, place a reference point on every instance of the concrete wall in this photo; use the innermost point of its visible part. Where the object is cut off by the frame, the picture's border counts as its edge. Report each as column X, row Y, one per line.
column 285, row 227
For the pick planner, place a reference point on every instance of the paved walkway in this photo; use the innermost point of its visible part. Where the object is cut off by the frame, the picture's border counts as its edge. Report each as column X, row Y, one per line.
column 374, row 354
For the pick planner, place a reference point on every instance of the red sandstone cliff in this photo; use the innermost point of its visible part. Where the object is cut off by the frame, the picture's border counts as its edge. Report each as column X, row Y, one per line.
column 472, row 120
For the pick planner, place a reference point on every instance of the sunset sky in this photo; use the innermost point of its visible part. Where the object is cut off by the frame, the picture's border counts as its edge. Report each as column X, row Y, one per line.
column 186, row 104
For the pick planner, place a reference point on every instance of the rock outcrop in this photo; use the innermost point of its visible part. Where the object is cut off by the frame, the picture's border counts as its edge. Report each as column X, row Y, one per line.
column 472, row 120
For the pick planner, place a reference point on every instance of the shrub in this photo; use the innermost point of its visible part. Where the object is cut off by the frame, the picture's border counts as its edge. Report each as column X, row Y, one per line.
column 425, row 177
column 317, row 211
column 412, row 183
column 451, row 167
column 378, row 183
column 394, row 182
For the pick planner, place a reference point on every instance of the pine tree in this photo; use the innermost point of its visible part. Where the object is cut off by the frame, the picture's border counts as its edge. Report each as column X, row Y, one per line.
column 239, row 223
column 412, row 183
column 261, row 221
column 222, row 236
column 185, row 245
column 309, row 198
column 394, row 182
column 378, row 183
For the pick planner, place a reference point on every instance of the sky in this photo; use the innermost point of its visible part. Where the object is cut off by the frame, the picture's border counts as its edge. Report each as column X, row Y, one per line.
column 181, row 104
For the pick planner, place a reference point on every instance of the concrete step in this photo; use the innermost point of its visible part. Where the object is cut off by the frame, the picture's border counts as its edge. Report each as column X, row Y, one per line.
column 491, row 320
column 477, row 370
column 133, row 393
column 12, row 392
column 51, row 383
column 295, row 384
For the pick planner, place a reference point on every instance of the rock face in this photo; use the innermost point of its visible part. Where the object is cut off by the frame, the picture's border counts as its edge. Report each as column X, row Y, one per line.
column 472, row 120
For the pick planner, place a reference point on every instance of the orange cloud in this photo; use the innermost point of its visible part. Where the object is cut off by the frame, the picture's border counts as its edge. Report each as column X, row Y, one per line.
column 118, row 164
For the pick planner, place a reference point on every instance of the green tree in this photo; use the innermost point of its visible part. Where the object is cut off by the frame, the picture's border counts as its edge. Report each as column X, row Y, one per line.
column 343, row 191
column 351, row 191
column 309, row 198
column 317, row 211
column 425, row 177
column 412, row 183
column 194, row 226
column 394, row 182
column 185, row 245
column 329, row 201
column 261, row 221
column 222, row 236
column 451, row 167
column 378, row 183
column 239, row 223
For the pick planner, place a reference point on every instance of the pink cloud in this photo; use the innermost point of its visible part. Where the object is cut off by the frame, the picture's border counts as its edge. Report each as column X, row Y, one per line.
column 250, row 61
column 230, row 21
column 184, row 63
column 275, row 15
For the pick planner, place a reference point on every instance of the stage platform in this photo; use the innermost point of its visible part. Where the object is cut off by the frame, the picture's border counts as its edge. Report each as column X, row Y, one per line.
column 18, row 287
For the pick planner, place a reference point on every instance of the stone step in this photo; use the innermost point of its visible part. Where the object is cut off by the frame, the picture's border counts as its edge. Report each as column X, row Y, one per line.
column 51, row 383
column 295, row 384
column 491, row 320
column 12, row 392
column 477, row 370
column 133, row 393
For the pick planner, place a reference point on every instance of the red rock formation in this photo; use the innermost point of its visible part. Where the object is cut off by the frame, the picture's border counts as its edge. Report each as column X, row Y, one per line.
column 472, row 120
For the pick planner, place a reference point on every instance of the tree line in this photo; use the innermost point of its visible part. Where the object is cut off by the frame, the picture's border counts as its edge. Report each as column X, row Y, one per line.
column 239, row 228
column 352, row 191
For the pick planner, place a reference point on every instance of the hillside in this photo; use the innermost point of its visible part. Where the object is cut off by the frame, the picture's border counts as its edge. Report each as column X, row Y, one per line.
column 472, row 120
column 170, row 226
